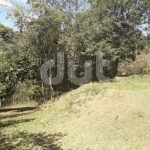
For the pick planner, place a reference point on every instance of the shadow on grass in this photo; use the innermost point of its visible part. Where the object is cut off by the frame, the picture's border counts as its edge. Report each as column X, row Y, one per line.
column 19, row 109
column 13, row 122
column 14, row 114
column 23, row 140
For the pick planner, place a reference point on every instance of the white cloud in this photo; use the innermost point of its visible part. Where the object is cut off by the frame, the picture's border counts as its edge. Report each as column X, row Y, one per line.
column 5, row 23
column 24, row 1
column 5, row 3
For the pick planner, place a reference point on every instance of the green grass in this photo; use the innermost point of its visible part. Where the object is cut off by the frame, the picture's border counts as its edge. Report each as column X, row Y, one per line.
column 98, row 116
column 134, row 83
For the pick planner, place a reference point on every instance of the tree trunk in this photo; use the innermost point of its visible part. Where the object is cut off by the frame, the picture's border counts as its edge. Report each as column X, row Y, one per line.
column 50, row 84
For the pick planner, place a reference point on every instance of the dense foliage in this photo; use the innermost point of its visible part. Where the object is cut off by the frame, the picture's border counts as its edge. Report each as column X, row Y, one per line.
column 78, row 28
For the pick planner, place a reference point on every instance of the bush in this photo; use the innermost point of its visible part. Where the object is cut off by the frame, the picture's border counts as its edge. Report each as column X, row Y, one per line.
column 140, row 66
column 26, row 91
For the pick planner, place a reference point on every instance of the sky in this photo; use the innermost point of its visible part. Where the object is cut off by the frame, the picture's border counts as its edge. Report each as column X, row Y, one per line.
column 3, row 14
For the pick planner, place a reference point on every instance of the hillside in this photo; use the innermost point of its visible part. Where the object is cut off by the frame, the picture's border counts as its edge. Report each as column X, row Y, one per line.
column 96, row 116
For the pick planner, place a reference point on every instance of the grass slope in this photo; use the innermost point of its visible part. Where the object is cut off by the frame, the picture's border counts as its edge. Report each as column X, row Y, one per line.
column 98, row 116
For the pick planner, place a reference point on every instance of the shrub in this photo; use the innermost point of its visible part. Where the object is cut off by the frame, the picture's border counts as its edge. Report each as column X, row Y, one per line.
column 26, row 91
column 140, row 66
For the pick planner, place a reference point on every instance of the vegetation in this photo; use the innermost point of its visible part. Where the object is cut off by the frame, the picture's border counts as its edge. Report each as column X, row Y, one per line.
column 96, row 116
column 108, row 110
column 80, row 29
column 138, row 67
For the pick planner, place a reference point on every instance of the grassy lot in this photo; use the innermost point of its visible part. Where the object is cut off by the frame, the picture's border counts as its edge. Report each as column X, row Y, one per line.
column 98, row 116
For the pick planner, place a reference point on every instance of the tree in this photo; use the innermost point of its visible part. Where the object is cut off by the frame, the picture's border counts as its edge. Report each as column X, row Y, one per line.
column 81, row 29
column 113, row 28
column 7, row 80
column 42, row 35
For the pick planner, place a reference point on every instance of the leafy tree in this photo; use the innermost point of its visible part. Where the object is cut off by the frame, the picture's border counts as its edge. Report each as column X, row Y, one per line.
column 111, row 28
column 6, row 40
column 79, row 28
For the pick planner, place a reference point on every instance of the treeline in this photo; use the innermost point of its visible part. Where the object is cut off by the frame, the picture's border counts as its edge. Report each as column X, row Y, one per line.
column 78, row 28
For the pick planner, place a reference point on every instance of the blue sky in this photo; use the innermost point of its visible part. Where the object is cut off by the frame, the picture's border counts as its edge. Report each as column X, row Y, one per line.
column 3, row 14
